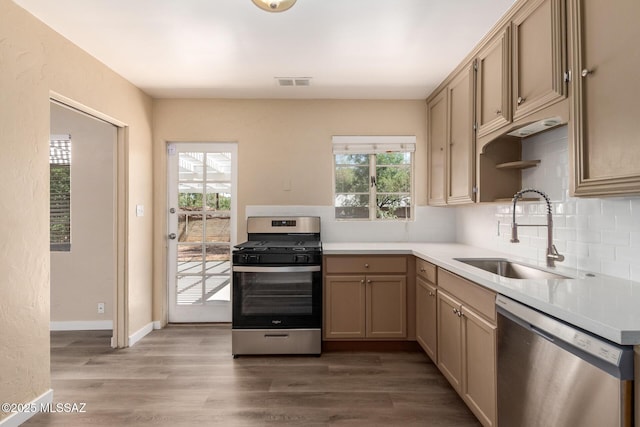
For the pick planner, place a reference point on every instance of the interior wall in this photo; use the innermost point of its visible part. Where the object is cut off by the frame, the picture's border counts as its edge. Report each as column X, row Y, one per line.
column 35, row 60
column 85, row 275
column 284, row 150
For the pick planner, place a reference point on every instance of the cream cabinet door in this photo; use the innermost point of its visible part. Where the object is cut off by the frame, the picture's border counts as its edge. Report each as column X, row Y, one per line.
column 386, row 308
column 450, row 340
column 605, row 130
column 426, row 317
column 539, row 63
column 479, row 366
column 344, row 307
column 461, row 147
column 493, row 84
column 437, row 140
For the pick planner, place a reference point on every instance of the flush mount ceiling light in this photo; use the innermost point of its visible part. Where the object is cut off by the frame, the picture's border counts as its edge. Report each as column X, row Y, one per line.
column 274, row 5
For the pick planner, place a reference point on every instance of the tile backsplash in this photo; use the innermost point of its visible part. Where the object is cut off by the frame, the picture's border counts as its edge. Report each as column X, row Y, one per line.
column 601, row 235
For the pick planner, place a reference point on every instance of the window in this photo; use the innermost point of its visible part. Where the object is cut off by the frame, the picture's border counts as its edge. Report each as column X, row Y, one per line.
column 60, row 192
column 373, row 177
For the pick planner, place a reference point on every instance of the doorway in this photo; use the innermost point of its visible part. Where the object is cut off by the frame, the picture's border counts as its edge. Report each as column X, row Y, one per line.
column 87, row 275
column 202, row 181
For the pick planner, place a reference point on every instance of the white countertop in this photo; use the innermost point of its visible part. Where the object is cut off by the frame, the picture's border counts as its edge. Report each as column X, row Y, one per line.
column 603, row 305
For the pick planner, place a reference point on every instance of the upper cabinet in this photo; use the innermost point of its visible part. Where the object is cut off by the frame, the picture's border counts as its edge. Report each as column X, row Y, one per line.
column 538, row 33
column 494, row 80
column 461, row 154
column 437, row 141
column 451, row 141
column 605, row 131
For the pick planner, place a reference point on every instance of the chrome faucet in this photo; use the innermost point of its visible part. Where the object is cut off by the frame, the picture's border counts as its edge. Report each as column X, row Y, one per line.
column 552, row 252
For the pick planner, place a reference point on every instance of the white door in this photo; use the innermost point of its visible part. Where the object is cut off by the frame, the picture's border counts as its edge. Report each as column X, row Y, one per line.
column 201, row 230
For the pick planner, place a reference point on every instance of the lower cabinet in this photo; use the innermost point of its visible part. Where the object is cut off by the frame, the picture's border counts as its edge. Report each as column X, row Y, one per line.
column 467, row 344
column 371, row 306
column 426, row 319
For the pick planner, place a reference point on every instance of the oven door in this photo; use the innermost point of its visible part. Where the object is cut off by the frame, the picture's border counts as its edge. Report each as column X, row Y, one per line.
column 284, row 297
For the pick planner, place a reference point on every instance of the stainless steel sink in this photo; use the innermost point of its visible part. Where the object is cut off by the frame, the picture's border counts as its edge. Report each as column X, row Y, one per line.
column 511, row 269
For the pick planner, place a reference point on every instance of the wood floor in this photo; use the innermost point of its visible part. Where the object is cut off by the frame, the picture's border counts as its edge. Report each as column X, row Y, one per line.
column 186, row 376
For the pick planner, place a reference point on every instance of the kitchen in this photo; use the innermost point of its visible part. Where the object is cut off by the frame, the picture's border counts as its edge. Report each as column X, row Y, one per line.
column 587, row 237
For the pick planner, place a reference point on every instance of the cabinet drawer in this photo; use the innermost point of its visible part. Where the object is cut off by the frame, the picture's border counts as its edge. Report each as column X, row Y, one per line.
column 358, row 264
column 426, row 270
column 472, row 295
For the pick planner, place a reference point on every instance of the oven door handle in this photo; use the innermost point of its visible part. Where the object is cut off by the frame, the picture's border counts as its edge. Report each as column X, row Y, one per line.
column 288, row 269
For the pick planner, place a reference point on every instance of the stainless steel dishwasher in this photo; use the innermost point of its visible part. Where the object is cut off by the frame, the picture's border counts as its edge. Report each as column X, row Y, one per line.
column 551, row 374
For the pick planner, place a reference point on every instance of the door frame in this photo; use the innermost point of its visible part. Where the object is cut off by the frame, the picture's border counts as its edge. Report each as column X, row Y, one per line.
column 120, row 337
column 231, row 146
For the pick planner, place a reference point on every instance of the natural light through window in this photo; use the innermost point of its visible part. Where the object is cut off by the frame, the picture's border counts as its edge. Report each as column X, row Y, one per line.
column 373, row 177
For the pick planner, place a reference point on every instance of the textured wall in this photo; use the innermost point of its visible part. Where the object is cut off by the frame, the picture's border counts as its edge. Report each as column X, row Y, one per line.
column 34, row 60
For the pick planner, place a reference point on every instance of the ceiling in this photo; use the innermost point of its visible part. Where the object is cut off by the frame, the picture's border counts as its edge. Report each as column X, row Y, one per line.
column 351, row 49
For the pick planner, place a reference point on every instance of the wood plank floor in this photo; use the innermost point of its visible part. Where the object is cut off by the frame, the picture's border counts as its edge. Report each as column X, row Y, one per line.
column 186, row 376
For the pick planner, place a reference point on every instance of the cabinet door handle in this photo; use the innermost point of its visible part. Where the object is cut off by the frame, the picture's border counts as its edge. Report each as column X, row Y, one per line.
column 366, row 266
column 521, row 100
column 498, row 112
column 369, row 281
column 362, row 281
column 431, row 294
column 586, row 72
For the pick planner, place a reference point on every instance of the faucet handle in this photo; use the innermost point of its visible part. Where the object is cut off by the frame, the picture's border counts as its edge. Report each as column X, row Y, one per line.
column 555, row 255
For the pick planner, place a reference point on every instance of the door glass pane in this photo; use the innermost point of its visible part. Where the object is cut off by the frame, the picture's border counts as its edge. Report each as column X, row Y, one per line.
column 218, row 288
column 190, row 228
column 218, row 227
column 190, row 196
column 189, row 259
column 216, row 254
column 219, row 167
column 191, row 167
column 189, row 290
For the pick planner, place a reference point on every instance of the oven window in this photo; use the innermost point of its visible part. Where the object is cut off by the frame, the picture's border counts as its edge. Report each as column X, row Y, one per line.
column 276, row 293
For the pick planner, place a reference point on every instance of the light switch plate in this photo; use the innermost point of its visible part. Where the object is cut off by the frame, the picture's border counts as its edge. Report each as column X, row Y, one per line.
column 139, row 210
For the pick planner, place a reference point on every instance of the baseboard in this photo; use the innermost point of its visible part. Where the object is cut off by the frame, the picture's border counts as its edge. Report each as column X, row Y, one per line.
column 140, row 333
column 81, row 325
column 157, row 324
column 17, row 418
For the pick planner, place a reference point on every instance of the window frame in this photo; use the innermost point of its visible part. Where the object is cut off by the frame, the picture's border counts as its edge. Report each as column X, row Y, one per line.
column 371, row 146
column 60, row 158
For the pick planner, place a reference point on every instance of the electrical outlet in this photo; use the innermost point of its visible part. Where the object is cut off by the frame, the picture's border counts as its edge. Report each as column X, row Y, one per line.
column 100, row 308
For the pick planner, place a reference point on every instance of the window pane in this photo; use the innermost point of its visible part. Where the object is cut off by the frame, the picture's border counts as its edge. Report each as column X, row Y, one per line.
column 352, row 159
column 60, row 193
column 393, row 159
column 352, row 206
column 393, row 206
column 191, row 167
column 352, row 179
column 393, row 179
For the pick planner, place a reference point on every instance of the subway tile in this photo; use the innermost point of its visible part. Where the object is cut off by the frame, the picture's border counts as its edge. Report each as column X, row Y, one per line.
column 601, row 222
column 627, row 223
column 634, row 239
column 578, row 248
column 628, row 254
column 616, row 269
column 589, row 207
column 589, row 236
column 602, row 252
column 617, row 238
column 589, row 264
column 611, row 207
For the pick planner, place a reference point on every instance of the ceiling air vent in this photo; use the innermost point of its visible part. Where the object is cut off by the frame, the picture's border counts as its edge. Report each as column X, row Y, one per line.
column 293, row 81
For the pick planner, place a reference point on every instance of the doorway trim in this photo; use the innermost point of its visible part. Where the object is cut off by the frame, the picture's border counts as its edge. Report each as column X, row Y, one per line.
column 119, row 338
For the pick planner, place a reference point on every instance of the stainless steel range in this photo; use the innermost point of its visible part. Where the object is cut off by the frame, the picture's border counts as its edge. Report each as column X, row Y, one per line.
column 277, row 287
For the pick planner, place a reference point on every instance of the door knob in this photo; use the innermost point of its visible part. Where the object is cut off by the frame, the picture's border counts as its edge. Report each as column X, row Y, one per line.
column 172, row 236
